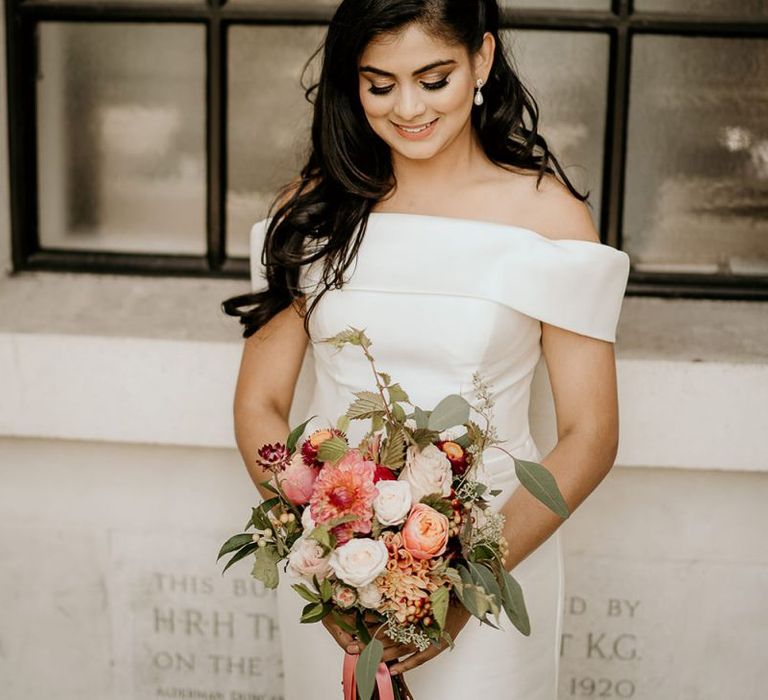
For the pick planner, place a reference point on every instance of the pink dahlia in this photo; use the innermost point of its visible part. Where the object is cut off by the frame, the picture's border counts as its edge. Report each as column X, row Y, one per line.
column 343, row 488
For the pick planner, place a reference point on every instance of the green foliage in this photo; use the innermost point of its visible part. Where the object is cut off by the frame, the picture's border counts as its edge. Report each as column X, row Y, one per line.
column 450, row 411
column 424, row 437
column 332, row 449
column 513, row 602
column 538, row 480
column 393, row 453
column 305, row 593
column 295, row 434
column 398, row 412
column 233, row 543
column 439, row 599
column 421, row 417
column 396, row 393
column 367, row 665
column 314, row 612
column 343, row 423
column 365, row 405
column 439, row 503
column 240, row 554
column 350, row 336
column 265, row 566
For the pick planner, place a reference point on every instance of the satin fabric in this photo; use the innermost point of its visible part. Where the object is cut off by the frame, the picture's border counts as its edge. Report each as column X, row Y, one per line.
column 441, row 298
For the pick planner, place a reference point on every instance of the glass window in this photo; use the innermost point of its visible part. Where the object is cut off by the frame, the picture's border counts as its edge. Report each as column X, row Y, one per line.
column 696, row 195
column 753, row 8
column 556, row 4
column 567, row 74
column 269, row 119
column 121, row 137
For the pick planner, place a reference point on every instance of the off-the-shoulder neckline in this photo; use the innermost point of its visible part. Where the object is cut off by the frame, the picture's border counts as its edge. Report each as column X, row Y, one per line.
column 493, row 224
column 599, row 245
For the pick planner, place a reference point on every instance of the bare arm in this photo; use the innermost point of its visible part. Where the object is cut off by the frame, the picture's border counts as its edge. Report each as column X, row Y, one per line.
column 582, row 372
column 266, row 382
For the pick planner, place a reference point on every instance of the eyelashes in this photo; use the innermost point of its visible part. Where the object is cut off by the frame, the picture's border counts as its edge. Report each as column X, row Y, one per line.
column 427, row 86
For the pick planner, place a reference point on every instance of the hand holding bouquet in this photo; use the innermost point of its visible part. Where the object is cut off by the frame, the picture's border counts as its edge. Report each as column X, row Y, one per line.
column 392, row 533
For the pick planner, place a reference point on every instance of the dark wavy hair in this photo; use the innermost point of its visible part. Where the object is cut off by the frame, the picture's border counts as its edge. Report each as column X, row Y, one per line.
column 349, row 167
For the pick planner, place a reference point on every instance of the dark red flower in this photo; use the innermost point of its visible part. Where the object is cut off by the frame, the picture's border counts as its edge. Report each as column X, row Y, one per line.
column 312, row 444
column 382, row 472
column 275, row 457
column 456, row 454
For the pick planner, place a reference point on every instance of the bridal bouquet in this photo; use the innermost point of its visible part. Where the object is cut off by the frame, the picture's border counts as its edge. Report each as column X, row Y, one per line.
column 392, row 530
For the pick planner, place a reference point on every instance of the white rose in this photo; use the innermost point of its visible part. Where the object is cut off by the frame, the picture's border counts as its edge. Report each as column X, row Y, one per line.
column 307, row 522
column 393, row 501
column 427, row 471
column 369, row 596
column 359, row 561
column 306, row 559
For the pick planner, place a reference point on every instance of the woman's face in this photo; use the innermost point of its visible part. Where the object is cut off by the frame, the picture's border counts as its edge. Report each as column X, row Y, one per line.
column 413, row 79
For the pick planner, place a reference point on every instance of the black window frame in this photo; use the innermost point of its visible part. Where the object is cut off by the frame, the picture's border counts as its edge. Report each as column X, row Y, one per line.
column 620, row 24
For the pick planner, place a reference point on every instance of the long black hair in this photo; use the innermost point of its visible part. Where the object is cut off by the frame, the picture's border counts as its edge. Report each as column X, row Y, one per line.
column 323, row 214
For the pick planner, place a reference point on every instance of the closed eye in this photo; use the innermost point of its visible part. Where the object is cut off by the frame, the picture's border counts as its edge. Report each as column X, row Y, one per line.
column 427, row 86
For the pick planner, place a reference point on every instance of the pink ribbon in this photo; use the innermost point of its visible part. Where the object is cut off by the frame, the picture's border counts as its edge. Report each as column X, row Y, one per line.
column 383, row 679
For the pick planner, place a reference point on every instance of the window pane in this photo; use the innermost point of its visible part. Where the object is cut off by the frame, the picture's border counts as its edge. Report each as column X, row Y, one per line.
column 567, row 74
column 121, row 129
column 556, row 4
column 269, row 119
column 752, row 8
column 697, row 180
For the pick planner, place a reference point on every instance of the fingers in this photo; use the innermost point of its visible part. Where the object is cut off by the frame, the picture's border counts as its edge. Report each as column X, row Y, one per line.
column 415, row 660
column 397, row 650
column 343, row 639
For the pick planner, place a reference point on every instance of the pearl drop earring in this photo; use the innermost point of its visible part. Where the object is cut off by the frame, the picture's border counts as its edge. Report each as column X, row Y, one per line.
column 479, row 95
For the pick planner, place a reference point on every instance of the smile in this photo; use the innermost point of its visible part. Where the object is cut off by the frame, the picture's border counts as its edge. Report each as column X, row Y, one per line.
column 413, row 130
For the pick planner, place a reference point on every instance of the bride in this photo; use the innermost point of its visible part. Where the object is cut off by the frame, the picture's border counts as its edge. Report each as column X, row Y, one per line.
column 431, row 212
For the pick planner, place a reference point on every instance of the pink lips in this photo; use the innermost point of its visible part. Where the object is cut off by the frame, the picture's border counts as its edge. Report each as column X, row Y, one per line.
column 424, row 133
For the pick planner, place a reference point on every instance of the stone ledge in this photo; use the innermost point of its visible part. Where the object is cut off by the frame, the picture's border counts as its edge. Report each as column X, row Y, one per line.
column 153, row 360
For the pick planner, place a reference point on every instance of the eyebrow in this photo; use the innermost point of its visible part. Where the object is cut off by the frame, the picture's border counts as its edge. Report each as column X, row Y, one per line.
column 429, row 66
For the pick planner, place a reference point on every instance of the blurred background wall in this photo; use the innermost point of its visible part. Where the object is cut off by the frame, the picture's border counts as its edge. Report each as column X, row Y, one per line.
column 137, row 152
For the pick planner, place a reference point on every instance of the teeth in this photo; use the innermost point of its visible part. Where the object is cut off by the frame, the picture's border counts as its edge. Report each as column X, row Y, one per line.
column 416, row 131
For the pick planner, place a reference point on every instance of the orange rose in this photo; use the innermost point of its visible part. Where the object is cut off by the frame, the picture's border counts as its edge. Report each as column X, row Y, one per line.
column 425, row 533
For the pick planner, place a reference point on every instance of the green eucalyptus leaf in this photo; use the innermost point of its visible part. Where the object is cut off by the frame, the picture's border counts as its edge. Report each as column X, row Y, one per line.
column 343, row 423
column 540, row 482
column 421, row 417
column 514, row 603
column 452, row 410
column 367, row 665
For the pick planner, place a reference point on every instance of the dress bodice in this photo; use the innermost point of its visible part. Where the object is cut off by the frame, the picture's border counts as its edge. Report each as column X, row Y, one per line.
column 441, row 298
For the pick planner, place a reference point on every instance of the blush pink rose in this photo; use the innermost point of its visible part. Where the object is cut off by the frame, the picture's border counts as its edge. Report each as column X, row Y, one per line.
column 425, row 533
column 297, row 480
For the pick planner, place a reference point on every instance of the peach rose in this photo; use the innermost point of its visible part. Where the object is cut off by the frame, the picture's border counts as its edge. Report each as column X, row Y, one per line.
column 425, row 533
column 297, row 480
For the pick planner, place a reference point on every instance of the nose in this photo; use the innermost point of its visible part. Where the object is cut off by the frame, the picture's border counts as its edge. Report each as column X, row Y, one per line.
column 409, row 104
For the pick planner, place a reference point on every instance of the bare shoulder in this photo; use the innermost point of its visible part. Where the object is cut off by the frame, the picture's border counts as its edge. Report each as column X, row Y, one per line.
column 551, row 210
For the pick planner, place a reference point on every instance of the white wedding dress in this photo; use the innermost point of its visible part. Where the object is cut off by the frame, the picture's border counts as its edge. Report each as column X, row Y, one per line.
column 441, row 298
